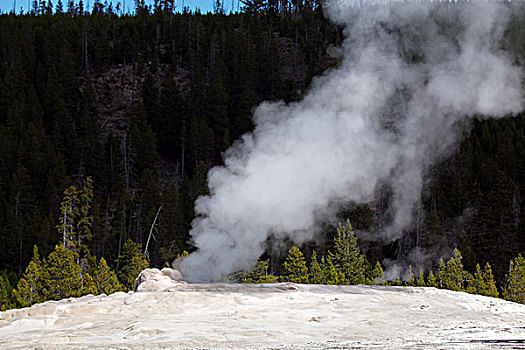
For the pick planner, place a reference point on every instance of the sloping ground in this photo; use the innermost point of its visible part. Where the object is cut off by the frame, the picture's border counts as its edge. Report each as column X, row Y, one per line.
column 281, row 316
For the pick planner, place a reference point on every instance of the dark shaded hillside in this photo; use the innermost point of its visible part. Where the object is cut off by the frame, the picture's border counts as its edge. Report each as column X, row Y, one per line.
column 145, row 104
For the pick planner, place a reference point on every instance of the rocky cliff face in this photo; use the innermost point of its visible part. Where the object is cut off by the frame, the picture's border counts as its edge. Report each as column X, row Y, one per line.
column 119, row 88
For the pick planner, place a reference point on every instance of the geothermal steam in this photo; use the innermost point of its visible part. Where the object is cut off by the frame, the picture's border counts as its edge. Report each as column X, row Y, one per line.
column 410, row 79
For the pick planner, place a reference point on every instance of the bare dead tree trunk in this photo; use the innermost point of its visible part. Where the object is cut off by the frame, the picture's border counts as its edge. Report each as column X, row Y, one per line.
column 85, row 46
column 19, row 229
column 64, row 233
column 126, row 161
column 106, row 226
column 110, row 167
column 418, row 234
column 151, row 231
column 20, row 248
column 122, row 233
column 182, row 162
column 137, row 230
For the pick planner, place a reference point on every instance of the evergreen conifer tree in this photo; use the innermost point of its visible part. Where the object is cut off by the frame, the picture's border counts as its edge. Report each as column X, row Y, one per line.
column 150, row 97
column 315, row 273
column 440, row 276
column 483, row 282
column 105, row 279
column 264, row 276
column 29, row 288
column 411, row 278
column 88, row 285
column 489, row 288
column 347, row 256
column 465, row 246
column 217, row 110
column 85, row 216
column 63, row 275
column 452, row 275
column 259, row 274
column 143, row 149
column 268, row 278
column 68, row 215
column 476, row 283
column 133, row 262
column 6, row 294
column 332, row 275
column 295, row 269
column 421, row 279
column 514, row 288
column 377, row 273
column 76, row 218
column 432, row 280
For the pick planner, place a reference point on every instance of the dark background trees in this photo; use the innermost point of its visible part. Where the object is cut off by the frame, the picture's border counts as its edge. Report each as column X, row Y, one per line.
column 142, row 103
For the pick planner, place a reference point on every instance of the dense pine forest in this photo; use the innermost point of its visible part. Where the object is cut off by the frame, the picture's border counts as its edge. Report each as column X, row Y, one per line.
column 109, row 123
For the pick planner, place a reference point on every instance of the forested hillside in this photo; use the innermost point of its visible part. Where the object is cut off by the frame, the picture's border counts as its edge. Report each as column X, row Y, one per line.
column 144, row 104
column 109, row 124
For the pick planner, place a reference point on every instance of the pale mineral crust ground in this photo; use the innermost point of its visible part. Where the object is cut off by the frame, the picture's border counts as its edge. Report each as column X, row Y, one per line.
column 279, row 316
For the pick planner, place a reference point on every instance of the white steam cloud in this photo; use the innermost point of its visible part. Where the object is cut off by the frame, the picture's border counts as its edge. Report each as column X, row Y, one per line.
column 411, row 77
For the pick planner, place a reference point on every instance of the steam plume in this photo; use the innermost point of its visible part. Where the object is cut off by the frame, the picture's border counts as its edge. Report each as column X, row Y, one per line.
column 411, row 77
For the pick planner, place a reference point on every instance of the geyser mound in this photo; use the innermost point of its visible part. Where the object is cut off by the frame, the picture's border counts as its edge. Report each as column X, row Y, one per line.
column 155, row 280
column 277, row 316
column 412, row 77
